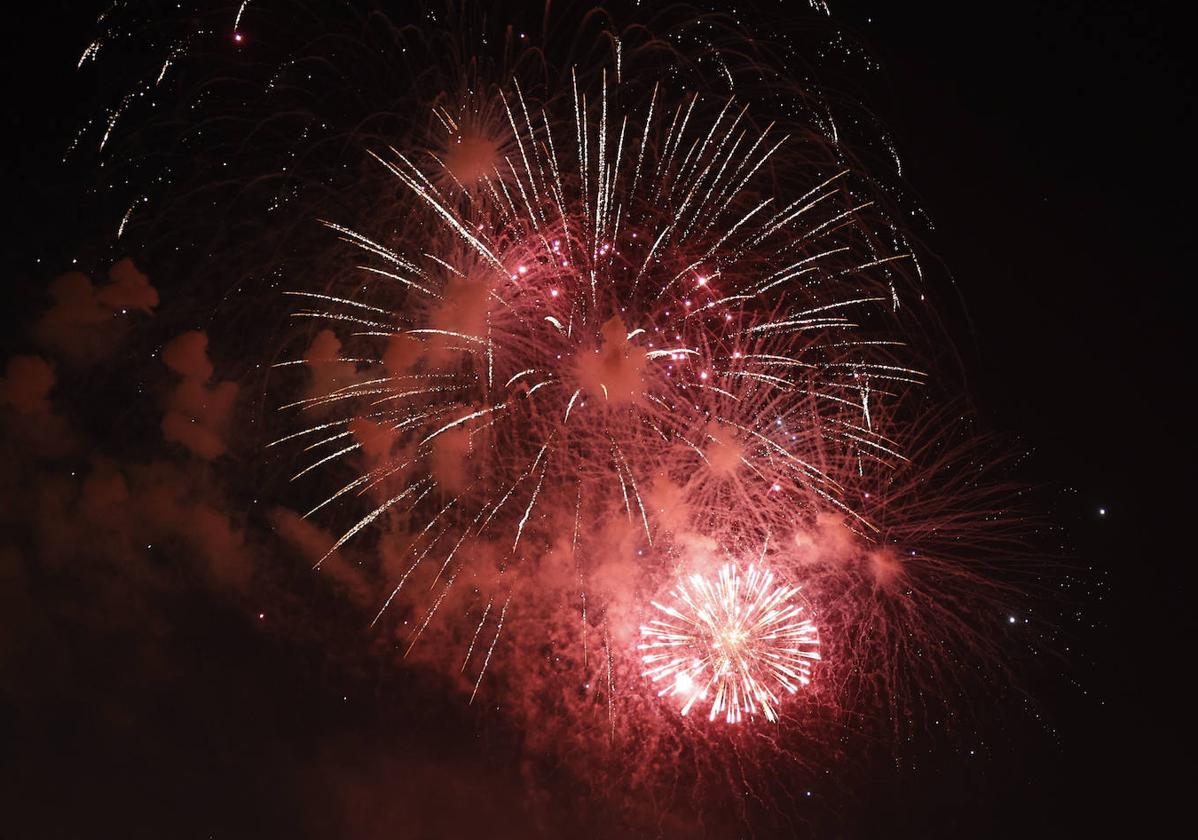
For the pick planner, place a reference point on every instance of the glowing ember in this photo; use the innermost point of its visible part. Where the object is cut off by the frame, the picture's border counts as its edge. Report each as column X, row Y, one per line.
column 738, row 640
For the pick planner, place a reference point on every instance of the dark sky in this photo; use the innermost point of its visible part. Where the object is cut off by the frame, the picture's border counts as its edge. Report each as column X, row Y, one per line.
column 1050, row 143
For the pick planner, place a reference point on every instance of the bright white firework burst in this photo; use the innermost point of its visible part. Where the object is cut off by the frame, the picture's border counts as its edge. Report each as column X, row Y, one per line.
column 740, row 639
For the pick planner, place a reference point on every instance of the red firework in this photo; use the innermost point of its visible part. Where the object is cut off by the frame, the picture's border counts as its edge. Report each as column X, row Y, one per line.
column 596, row 318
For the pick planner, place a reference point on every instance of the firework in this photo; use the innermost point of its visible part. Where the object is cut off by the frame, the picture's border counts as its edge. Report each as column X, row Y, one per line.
column 577, row 320
column 615, row 312
column 737, row 642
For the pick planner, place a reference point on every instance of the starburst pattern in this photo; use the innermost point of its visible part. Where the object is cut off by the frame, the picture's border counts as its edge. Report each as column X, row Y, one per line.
column 738, row 642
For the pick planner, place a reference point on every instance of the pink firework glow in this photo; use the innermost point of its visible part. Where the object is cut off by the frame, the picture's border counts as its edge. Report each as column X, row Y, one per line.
column 612, row 326
column 616, row 321
column 607, row 336
column 599, row 315
column 736, row 642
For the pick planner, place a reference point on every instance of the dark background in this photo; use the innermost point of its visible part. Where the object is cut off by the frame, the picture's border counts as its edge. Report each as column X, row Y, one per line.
column 1052, row 146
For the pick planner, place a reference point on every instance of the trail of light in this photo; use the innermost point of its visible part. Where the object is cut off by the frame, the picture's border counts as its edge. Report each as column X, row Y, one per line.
column 491, row 649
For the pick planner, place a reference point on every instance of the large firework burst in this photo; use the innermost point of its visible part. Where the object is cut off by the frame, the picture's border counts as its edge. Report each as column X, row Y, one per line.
column 617, row 312
column 595, row 307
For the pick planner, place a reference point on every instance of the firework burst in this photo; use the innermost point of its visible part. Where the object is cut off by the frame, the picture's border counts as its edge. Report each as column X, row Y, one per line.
column 620, row 311
column 594, row 309
column 737, row 642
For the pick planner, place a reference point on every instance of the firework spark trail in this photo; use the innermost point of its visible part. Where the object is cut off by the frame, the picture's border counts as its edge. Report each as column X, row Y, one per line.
column 237, row 18
column 478, row 630
column 491, row 649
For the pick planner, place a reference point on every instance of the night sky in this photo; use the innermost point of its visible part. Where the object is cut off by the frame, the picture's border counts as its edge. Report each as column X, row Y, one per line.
column 1050, row 145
